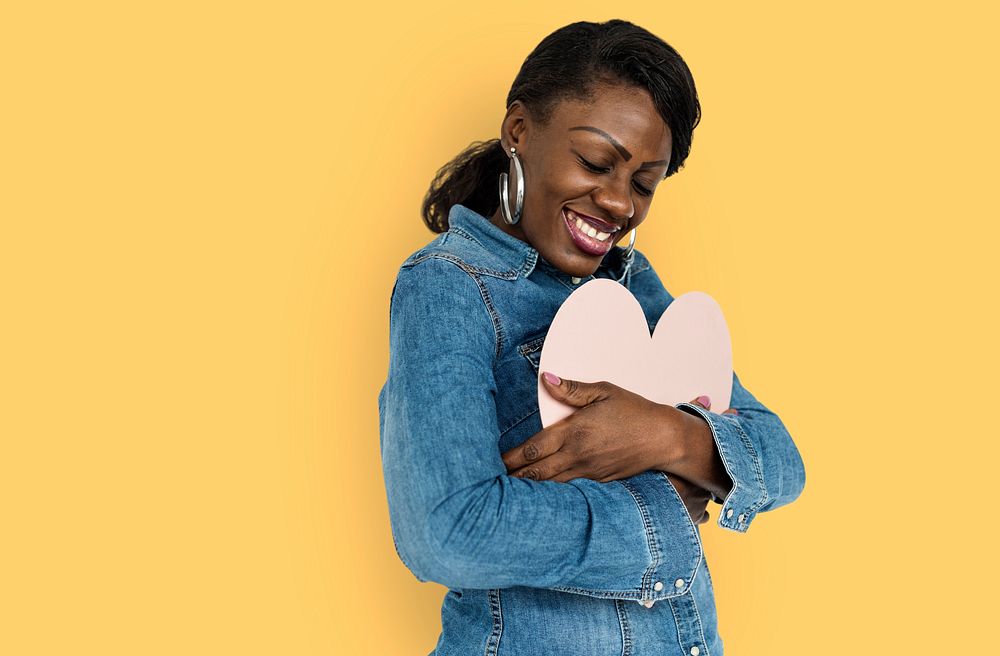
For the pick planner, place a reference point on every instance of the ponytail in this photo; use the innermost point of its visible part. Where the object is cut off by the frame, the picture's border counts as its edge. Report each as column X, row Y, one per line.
column 470, row 179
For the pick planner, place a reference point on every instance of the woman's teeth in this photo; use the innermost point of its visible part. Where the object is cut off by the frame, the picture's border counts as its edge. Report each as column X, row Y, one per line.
column 588, row 229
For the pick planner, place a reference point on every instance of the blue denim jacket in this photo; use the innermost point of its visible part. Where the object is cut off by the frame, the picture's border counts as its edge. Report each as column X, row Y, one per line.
column 538, row 567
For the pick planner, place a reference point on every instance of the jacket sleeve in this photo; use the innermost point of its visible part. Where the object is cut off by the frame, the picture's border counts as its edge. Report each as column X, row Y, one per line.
column 756, row 449
column 759, row 455
column 456, row 516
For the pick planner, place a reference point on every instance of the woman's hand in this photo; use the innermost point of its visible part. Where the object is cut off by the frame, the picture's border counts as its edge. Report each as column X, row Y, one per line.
column 614, row 434
column 695, row 498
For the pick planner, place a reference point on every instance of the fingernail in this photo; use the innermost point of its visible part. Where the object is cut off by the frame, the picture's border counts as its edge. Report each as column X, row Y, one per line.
column 552, row 378
column 735, row 411
column 704, row 400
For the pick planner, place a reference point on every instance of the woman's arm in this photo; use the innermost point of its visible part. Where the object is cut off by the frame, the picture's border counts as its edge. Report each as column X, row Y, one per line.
column 758, row 454
column 457, row 517
column 753, row 446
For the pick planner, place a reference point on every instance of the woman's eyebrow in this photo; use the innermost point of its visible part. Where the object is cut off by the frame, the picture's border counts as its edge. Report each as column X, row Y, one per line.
column 620, row 148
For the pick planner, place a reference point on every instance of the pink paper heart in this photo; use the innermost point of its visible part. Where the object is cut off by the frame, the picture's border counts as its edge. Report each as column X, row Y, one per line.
column 600, row 333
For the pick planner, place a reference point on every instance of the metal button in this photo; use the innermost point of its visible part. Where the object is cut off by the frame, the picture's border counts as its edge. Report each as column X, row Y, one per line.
column 729, row 513
column 679, row 583
column 658, row 586
column 648, row 603
column 695, row 651
column 576, row 281
column 742, row 517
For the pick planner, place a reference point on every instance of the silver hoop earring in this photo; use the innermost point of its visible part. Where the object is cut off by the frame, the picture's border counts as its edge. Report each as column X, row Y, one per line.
column 629, row 253
column 512, row 218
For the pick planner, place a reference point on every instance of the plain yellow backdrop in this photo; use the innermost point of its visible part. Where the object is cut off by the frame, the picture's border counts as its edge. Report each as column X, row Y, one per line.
column 204, row 206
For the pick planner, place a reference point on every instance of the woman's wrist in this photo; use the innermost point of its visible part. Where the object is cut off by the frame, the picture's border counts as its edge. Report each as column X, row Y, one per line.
column 688, row 450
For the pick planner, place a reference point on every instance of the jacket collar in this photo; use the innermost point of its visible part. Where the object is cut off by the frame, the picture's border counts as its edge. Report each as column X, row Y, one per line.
column 512, row 253
column 506, row 250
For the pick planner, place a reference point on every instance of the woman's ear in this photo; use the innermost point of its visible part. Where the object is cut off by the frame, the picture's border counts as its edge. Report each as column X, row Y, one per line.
column 514, row 126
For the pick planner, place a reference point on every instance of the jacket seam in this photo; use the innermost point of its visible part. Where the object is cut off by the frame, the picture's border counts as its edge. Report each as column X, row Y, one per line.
column 755, row 459
column 496, row 612
column 701, row 623
column 651, row 541
column 625, row 626
column 518, row 422
column 510, row 274
column 483, row 292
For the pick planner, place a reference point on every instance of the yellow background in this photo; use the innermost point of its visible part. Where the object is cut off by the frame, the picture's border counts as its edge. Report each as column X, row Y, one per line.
column 204, row 206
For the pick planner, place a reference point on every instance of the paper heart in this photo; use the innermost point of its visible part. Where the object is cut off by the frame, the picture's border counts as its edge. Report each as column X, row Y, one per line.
column 600, row 333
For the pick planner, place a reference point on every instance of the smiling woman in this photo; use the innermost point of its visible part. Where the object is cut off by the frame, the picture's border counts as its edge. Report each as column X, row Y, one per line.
column 544, row 536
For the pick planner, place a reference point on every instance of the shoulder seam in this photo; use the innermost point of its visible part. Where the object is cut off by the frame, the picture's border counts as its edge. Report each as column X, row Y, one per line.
column 421, row 255
column 498, row 331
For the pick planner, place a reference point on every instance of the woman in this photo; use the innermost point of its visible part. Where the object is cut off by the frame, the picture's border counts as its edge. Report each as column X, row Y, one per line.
column 547, row 538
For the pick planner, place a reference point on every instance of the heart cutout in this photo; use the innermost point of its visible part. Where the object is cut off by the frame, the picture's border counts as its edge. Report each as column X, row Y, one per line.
column 600, row 333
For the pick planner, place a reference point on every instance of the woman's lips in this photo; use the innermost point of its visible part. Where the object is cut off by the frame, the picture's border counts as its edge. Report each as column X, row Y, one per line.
column 603, row 226
column 586, row 243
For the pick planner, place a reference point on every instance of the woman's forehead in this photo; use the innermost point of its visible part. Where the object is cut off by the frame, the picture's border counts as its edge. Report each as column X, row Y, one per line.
column 627, row 114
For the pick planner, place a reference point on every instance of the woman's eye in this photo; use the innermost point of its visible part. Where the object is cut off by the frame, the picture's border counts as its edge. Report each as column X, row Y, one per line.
column 592, row 167
column 642, row 190
column 597, row 169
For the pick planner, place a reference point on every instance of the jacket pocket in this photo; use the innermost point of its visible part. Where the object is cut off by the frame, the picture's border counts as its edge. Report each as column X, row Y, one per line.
column 532, row 351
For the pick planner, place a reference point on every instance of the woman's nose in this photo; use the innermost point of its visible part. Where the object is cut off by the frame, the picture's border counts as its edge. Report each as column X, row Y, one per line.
column 616, row 200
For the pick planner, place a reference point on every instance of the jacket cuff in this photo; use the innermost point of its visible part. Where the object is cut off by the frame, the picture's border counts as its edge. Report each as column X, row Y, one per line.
column 674, row 543
column 742, row 464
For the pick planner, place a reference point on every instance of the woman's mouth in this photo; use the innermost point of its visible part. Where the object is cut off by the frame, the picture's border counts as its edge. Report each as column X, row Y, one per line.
column 588, row 238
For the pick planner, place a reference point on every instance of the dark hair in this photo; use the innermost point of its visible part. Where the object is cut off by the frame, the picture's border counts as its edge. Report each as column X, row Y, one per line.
column 568, row 64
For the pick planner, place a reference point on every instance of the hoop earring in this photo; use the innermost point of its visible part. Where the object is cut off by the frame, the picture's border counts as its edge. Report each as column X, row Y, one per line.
column 512, row 218
column 629, row 253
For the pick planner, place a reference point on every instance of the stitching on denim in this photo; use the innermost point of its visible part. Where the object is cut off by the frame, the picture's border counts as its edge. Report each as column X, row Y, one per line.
column 505, row 275
column 493, row 643
column 494, row 315
column 531, row 345
column 511, row 274
column 755, row 459
column 678, row 623
column 701, row 627
column 651, row 541
column 693, row 529
column 460, row 231
column 734, row 493
column 516, row 423
column 625, row 626
column 634, row 594
column 527, row 349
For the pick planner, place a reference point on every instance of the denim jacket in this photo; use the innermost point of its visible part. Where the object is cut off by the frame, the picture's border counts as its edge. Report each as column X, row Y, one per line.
column 578, row 567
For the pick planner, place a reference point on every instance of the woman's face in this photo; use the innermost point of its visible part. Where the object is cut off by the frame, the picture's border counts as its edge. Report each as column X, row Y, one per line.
column 594, row 162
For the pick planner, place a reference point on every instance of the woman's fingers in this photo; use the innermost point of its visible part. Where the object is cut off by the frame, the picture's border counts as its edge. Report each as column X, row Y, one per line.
column 546, row 468
column 703, row 401
column 575, row 392
column 543, row 443
column 706, row 403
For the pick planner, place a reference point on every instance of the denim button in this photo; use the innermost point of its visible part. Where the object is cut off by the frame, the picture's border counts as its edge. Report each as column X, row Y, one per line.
column 695, row 651
column 679, row 583
column 658, row 586
column 729, row 513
